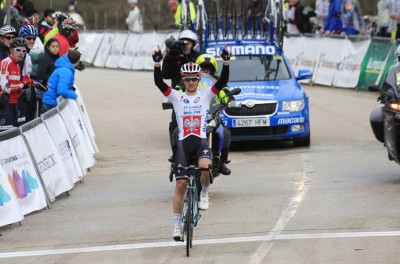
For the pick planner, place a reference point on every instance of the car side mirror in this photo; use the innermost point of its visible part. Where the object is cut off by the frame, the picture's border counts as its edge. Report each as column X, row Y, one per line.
column 304, row 74
column 373, row 88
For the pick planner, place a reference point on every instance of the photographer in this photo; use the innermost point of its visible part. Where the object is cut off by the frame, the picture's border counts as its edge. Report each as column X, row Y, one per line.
column 179, row 52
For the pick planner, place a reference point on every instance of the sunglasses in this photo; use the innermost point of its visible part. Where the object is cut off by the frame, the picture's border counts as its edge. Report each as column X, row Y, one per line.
column 30, row 38
column 20, row 50
column 9, row 37
column 193, row 79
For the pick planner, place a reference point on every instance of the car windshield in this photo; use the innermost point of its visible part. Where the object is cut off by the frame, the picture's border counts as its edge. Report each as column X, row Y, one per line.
column 257, row 68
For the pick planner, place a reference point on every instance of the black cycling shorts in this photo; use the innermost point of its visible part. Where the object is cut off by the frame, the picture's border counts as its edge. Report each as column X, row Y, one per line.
column 188, row 150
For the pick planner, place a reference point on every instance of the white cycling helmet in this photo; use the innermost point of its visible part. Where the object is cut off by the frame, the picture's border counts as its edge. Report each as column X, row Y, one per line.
column 188, row 34
column 7, row 30
column 190, row 68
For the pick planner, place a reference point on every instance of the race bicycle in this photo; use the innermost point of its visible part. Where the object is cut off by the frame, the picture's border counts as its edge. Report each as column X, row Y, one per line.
column 191, row 214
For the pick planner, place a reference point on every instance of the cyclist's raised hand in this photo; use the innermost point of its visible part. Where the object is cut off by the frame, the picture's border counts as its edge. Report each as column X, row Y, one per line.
column 157, row 55
column 225, row 54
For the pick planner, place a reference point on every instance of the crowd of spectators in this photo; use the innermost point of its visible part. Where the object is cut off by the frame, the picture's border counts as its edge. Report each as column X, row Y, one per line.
column 342, row 17
column 38, row 58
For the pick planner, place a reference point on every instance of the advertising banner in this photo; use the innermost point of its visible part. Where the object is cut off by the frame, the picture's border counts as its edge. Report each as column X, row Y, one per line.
column 88, row 45
column 332, row 51
column 104, row 50
column 79, row 141
column 129, row 51
column 21, row 175
column 59, row 134
column 10, row 210
column 116, row 50
column 373, row 62
column 148, row 43
column 48, row 161
column 349, row 67
column 85, row 114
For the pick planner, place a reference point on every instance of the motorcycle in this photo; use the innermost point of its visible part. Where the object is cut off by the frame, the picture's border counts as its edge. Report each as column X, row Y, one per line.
column 216, row 130
column 385, row 120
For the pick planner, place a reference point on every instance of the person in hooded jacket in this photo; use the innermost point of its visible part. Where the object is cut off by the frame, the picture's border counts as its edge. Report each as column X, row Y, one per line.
column 46, row 65
column 61, row 80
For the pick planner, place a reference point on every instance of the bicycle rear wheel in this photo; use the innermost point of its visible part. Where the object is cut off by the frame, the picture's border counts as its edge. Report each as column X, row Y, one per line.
column 189, row 220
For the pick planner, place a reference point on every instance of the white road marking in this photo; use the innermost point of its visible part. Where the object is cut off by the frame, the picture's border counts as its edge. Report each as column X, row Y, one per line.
column 267, row 238
column 302, row 187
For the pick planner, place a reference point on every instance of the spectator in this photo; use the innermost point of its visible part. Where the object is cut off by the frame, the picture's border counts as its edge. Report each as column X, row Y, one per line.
column 46, row 23
column 333, row 23
column 16, row 19
column 73, row 13
column 178, row 14
column 321, row 10
column 10, row 75
column 30, row 66
column 46, row 66
column 33, row 13
column 66, row 33
column 7, row 34
column 383, row 18
column 394, row 23
column 61, row 80
column 298, row 22
column 134, row 19
column 351, row 17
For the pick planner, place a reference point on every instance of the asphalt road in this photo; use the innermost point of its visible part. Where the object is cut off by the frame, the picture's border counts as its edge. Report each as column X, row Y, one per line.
column 334, row 202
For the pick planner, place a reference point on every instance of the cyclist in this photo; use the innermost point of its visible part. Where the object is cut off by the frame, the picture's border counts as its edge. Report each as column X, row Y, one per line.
column 7, row 34
column 191, row 112
column 209, row 65
column 173, row 61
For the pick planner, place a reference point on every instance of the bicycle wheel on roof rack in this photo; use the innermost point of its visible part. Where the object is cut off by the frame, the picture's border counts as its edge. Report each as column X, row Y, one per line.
column 200, row 28
column 224, row 18
column 242, row 19
column 214, row 19
column 280, row 30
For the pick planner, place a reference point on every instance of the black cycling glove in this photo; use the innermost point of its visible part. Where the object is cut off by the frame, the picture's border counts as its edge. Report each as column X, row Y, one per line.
column 157, row 56
column 225, row 55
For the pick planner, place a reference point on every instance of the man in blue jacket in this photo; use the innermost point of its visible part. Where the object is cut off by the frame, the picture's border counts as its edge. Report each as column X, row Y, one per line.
column 61, row 80
column 333, row 24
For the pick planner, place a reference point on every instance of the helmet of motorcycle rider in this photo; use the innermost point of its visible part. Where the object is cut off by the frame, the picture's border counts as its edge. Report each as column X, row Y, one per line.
column 398, row 54
column 190, row 68
column 207, row 63
column 187, row 34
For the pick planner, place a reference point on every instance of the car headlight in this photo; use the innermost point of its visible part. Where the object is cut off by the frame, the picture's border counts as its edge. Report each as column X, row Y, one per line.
column 293, row 106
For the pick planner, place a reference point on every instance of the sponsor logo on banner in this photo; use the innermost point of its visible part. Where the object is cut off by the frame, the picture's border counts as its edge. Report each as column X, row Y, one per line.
column 348, row 65
column 291, row 120
column 47, row 163
column 191, row 125
column 374, row 66
column 245, row 49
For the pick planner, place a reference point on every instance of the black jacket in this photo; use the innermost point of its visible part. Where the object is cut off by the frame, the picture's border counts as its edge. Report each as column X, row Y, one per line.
column 171, row 67
column 4, row 99
column 301, row 20
column 46, row 66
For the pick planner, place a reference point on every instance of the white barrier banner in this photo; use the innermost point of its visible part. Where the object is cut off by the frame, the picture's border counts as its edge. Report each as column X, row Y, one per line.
column 59, row 134
column 104, row 50
column 349, row 67
column 88, row 45
column 48, row 161
column 116, row 50
column 331, row 53
column 79, row 141
column 21, row 174
column 294, row 50
column 84, row 112
column 129, row 52
column 10, row 210
column 148, row 43
column 79, row 120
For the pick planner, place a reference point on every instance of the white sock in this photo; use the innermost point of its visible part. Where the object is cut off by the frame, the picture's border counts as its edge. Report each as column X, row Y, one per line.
column 177, row 219
column 204, row 190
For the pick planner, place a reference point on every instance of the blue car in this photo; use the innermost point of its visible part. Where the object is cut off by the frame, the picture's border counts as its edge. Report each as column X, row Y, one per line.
column 273, row 104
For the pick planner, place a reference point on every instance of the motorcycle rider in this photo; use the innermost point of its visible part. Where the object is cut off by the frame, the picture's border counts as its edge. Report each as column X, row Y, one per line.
column 209, row 65
column 182, row 52
column 191, row 111
column 391, row 79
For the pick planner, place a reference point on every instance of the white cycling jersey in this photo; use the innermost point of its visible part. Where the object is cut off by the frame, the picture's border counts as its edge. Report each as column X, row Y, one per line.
column 191, row 111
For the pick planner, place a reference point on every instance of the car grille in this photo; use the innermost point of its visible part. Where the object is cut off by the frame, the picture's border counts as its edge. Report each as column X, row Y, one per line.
column 256, row 110
column 258, row 131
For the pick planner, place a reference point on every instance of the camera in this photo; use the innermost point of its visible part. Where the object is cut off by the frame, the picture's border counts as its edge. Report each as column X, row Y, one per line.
column 174, row 46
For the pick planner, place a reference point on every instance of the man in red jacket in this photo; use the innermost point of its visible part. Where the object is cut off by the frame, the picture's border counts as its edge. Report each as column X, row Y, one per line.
column 10, row 76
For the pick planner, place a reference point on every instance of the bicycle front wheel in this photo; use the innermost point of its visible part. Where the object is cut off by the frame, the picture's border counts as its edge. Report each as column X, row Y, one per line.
column 189, row 217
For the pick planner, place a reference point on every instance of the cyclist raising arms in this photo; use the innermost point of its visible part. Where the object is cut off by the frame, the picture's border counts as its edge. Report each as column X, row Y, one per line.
column 191, row 108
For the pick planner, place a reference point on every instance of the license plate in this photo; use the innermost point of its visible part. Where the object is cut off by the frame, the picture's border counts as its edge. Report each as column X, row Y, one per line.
column 250, row 122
